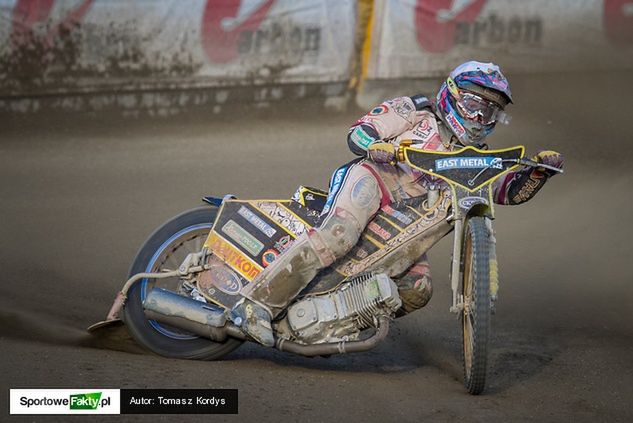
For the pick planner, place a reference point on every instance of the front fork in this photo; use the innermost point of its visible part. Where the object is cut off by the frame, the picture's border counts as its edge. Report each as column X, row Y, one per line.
column 458, row 301
column 456, row 274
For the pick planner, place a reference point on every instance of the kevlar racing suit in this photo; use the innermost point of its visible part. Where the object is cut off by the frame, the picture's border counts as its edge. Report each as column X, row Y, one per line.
column 360, row 188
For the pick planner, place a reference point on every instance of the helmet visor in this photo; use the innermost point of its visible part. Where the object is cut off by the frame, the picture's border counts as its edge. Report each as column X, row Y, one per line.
column 476, row 108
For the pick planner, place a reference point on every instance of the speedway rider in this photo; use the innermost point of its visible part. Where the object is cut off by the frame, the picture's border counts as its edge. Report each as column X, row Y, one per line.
column 468, row 106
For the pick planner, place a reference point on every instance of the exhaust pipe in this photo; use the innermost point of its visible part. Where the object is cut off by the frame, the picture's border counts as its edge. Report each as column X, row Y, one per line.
column 203, row 319
column 337, row 347
column 210, row 322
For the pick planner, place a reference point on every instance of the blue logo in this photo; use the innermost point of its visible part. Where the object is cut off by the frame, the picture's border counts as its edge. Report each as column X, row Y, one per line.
column 468, row 202
column 225, row 280
column 337, row 181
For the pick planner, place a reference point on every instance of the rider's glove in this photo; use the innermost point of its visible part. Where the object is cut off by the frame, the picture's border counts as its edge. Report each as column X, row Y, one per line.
column 382, row 152
column 551, row 158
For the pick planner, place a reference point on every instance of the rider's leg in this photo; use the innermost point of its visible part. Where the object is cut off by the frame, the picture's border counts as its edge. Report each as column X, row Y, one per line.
column 356, row 195
column 415, row 286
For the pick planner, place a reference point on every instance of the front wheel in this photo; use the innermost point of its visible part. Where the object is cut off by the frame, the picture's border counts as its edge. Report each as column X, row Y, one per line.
column 475, row 290
column 165, row 249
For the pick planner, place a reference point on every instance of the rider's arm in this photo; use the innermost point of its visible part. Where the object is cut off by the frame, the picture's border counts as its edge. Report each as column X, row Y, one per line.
column 519, row 186
column 384, row 122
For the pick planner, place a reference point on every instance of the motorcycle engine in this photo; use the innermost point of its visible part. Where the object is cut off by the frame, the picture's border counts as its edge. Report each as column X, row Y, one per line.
column 341, row 315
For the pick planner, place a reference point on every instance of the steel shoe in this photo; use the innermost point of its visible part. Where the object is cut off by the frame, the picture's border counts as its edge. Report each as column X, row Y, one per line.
column 254, row 320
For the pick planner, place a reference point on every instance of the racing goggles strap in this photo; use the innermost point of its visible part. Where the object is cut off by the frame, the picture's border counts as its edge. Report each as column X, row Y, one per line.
column 476, row 108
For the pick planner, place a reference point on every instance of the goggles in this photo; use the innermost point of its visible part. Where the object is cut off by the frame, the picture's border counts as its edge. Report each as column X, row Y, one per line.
column 478, row 109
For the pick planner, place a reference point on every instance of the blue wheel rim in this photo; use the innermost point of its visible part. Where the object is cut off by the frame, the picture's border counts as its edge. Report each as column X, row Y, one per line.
column 150, row 265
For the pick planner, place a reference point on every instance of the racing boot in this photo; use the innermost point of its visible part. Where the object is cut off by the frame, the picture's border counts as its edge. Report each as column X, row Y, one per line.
column 415, row 286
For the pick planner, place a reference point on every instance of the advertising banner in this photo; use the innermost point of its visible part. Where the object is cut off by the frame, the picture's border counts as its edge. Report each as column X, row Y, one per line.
column 69, row 45
column 427, row 38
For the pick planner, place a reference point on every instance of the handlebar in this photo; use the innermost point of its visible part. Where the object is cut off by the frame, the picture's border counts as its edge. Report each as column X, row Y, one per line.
column 532, row 163
column 400, row 157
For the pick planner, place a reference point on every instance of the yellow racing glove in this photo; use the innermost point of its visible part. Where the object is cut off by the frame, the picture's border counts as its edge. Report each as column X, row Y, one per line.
column 382, row 152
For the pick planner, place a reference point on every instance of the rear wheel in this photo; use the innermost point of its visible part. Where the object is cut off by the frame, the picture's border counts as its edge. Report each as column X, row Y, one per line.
column 475, row 290
column 165, row 249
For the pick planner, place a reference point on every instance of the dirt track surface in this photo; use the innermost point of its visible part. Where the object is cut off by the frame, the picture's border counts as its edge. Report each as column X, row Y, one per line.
column 80, row 195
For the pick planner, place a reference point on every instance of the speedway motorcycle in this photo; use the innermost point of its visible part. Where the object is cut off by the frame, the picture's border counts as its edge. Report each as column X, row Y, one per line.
column 189, row 273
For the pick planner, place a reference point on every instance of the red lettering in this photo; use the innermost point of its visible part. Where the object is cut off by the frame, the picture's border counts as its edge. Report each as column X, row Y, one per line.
column 27, row 14
column 373, row 226
column 235, row 259
column 221, row 27
column 388, row 209
column 436, row 21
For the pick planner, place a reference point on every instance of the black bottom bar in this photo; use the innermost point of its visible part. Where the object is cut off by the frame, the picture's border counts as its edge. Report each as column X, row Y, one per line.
column 178, row 401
